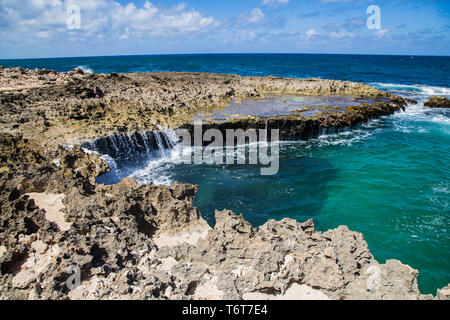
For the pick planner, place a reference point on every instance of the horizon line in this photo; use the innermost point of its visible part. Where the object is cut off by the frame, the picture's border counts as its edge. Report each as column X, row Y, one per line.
column 224, row 53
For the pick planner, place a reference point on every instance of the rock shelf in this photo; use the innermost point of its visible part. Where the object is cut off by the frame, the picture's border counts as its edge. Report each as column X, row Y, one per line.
column 133, row 241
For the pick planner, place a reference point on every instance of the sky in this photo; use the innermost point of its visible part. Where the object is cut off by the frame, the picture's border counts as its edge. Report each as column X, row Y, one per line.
column 53, row 28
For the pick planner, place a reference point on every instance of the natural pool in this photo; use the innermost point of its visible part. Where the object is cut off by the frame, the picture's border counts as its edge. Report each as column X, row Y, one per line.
column 388, row 179
column 281, row 106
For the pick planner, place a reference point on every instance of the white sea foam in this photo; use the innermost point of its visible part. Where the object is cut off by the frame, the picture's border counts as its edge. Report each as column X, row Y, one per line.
column 346, row 138
column 441, row 119
column 414, row 88
column 440, row 195
column 158, row 170
column 419, row 113
column 85, row 69
column 406, row 121
column 442, row 188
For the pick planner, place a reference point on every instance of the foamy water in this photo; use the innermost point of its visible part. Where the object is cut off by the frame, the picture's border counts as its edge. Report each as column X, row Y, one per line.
column 85, row 69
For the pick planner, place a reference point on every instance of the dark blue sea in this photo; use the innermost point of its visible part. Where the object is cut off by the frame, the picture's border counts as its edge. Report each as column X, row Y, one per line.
column 432, row 71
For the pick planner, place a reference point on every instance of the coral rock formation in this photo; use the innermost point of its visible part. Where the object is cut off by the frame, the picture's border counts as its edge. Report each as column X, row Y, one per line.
column 132, row 241
column 438, row 102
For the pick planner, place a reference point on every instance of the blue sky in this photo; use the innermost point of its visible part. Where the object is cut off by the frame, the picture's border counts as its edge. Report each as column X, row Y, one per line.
column 38, row 28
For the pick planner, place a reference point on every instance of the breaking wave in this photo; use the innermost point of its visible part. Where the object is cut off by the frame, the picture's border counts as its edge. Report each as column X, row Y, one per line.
column 412, row 89
column 85, row 69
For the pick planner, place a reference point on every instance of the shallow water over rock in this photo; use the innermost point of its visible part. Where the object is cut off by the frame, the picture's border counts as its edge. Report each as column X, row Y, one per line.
column 282, row 106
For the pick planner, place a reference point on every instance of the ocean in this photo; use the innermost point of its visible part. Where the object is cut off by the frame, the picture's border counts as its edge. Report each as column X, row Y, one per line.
column 389, row 178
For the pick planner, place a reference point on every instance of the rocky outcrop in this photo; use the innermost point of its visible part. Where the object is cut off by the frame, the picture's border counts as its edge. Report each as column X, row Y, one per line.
column 74, row 162
column 438, row 102
column 131, row 241
column 299, row 127
column 444, row 293
column 74, row 107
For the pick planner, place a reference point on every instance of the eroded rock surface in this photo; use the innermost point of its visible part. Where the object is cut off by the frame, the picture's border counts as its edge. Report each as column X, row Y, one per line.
column 438, row 102
column 131, row 241
column 115, row 236
column 73, row 107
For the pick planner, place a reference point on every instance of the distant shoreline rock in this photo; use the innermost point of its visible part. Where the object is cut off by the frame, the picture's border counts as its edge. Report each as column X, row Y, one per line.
column 438, row 102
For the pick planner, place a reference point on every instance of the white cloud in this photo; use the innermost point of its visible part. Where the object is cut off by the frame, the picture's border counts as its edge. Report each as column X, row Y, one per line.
column 254, row 18
column 381, row 33
column 256, row 15
column 46, row 19
column 274, row 3
column 310, row 33
column 155, row 21
column 334, row 1
column 342, row 34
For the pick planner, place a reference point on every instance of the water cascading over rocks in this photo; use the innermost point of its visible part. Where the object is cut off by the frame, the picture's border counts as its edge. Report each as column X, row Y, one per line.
column 126, row 147
column 126, row 153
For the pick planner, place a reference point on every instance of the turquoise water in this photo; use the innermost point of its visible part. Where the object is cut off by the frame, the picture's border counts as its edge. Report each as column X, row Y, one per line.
column 388, row 179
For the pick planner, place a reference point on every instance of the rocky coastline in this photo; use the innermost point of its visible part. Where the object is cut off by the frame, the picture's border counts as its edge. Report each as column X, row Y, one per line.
column 132, row 241
column 74, row 107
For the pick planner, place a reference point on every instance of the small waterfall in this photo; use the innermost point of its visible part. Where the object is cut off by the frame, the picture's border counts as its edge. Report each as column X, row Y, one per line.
column 325, row 131
column 127, row 153
column 128, row 147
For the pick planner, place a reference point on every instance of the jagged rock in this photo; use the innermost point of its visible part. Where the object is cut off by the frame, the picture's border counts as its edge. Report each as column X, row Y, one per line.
column 15, row 149
column 444, row 293
column 58, row 108
column 111, row 242
column 75, row 162
column 438, row 102
column 117, row 238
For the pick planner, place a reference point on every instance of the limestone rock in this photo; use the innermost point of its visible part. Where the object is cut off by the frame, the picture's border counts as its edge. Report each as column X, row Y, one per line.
column 438, row 102
column 444, row 293
column 75, row 162
column 131, row 241
column 63, row 108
